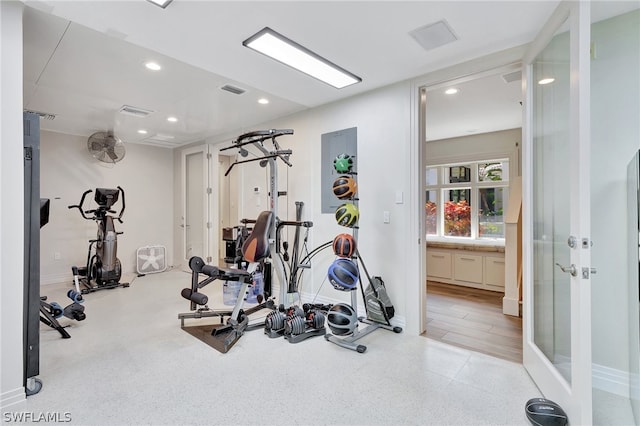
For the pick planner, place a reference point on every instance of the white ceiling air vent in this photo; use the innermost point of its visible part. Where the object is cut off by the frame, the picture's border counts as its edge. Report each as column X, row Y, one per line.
column 512, row 76
column 434, row 35
column 134, row 111
column 233, row 89
column 43, row 115
column 160, row 139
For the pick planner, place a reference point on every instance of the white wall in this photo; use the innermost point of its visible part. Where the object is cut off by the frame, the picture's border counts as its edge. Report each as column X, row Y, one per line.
column 11, row 205
column 67, row 170
column 382, row 118
column 477, row 147
column 615, row 136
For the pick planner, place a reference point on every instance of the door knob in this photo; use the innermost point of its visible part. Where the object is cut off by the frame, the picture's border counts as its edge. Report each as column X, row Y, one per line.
column 570, row 269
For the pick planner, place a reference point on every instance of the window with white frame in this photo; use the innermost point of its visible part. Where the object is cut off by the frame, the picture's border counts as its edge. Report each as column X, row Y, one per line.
column 467, row 200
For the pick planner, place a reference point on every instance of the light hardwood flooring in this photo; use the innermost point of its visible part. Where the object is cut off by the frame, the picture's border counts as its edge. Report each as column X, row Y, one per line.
column 472, row 319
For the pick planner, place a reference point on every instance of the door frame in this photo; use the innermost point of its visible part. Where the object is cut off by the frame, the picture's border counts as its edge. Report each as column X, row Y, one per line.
column 574, row 397
column 416, row 296
column 210, row 204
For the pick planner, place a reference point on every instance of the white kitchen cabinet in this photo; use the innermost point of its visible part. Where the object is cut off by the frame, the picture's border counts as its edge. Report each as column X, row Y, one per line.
column 470, row 266
column 439, row 264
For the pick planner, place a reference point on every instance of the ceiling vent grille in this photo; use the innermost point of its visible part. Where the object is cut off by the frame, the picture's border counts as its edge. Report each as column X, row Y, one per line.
column 434, row 35
column 134, row 111
column 233, row 89
column 43, row 115
column 512, row 76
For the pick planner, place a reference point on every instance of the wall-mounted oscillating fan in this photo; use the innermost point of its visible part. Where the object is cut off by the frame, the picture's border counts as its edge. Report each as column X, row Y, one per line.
column 105, row 147
column 151, row 259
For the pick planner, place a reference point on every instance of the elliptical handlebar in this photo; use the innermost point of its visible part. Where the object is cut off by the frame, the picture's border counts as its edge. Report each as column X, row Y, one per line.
column 119, row 218
column 93, row 211
column 79, row 206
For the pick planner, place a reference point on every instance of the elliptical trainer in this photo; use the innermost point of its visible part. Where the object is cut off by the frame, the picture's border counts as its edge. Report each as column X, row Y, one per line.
column 103, row 266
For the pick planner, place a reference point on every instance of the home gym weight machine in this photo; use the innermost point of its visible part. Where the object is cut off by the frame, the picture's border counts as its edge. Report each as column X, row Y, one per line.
column 103, row 269
column 263, row 242
column 295, row 328
column 255, row 249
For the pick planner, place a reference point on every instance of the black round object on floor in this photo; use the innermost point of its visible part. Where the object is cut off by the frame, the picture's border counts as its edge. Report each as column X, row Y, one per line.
column 544, row 412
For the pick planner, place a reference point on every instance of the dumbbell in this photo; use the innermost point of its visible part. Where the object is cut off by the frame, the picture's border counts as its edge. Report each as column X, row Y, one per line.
column 75, row 296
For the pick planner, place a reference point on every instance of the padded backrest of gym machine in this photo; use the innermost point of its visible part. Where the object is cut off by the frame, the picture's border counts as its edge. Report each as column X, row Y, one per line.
column 256, row 247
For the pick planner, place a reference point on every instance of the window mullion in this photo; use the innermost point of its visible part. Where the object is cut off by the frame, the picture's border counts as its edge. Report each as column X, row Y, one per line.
column 443, row 190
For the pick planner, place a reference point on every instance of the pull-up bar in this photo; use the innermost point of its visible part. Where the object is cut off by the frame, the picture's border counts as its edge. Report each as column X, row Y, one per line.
column 258, row 136
column 282, row 154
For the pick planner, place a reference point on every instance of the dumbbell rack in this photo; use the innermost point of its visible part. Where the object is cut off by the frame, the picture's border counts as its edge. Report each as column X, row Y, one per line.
column 293, row 325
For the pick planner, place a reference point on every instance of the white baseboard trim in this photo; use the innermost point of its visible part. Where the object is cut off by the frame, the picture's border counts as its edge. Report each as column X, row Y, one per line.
column 603, row 378
column 511, row 306
column 12, row 397
column 611, row 380
column 56, row 279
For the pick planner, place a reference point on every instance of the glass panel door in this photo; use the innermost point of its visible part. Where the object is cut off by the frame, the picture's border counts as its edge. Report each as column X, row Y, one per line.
column 557, row 243
column 551, row 204
column 615, row 140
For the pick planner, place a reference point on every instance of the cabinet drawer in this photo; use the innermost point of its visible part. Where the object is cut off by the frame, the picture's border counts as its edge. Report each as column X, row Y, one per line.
column 439, row 264
column 494, row 271
column 468, row 267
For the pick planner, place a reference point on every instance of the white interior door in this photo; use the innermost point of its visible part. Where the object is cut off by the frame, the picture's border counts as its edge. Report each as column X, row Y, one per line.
column 196, row 204
column 557, row 290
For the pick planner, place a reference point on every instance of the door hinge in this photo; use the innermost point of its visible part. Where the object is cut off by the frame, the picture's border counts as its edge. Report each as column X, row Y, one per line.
column 209, row 191
column 209, row 225
column 28, row 153
column 208, row 156
column 209, row 259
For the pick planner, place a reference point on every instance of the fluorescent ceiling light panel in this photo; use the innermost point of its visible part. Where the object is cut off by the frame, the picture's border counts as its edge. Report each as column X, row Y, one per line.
column 161, row 3
column 280, row 48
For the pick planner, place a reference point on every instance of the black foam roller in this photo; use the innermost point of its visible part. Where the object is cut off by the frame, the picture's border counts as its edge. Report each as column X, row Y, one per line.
column 209, row 270
column 196, row 263
column 186, row 293
column 199, row 298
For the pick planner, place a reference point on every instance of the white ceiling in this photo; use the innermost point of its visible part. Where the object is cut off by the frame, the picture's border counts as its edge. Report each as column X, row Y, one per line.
column 83, row 60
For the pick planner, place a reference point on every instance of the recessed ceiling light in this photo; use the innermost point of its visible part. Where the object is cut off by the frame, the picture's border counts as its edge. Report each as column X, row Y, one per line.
column 161, row 3
column 546, row 80
column 172, row 119
column 451, row 91
column 263, row 101
column 142, row 132
column 153, row 66
column 280, row 48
